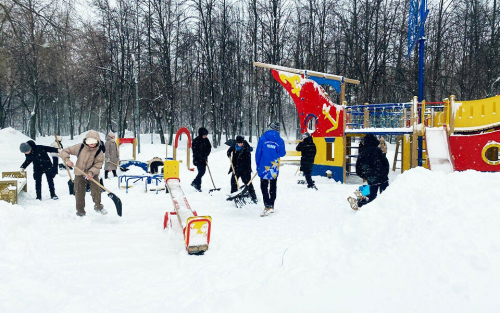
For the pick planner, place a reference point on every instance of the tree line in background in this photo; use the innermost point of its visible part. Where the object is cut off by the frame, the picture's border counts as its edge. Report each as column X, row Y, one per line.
column 65, row 69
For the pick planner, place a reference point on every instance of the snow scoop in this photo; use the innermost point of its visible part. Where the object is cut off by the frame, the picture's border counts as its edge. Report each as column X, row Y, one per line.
column 123, row 169
column 71, row 184
column 215, row 188
column 241, row 196
column 235, row 177
column 116, row 200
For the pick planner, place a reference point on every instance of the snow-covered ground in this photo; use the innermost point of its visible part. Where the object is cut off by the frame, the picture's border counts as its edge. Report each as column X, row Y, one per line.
column 430, row 243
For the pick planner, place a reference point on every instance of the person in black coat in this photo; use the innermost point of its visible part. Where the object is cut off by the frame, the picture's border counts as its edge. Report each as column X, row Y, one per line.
column 242, row 163
column 201, row 150
column 373, row 166
column 41, row 165
column 308, row 152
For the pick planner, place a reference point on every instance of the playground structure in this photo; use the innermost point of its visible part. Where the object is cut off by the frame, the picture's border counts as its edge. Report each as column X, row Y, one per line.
column 444, row 136
column 11, row 185
column 196, row 229
column 133, row 141
column 182, row 130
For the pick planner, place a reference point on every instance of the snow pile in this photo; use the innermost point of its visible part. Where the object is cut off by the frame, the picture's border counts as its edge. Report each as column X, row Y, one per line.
column 429, row 243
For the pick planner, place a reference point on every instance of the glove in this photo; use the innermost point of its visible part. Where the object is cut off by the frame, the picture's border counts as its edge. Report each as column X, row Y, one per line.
column 22, row 170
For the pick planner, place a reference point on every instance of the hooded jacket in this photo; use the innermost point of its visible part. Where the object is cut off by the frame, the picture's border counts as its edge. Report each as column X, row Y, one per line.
column 372, row 164
column 87, row 160
column 308, row 151
column 242, row 159
column 201, row 147
column 269, row 149
column 40, row 158
column 112, row 153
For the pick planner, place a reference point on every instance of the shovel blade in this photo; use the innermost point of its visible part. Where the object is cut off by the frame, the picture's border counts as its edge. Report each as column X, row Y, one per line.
column 71, row 186
column 118, row 203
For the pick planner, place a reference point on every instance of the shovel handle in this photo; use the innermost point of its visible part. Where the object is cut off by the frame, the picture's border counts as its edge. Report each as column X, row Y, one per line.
column 96, row 182
column 67, row 169
column 235, row 177
column 211, row 175
column 121, row 168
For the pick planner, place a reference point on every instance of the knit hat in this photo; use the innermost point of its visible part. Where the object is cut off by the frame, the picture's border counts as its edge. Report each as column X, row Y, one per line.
column 111, row 134
column 275, row 126
column 202, row 131
column 306, row 134
column 240, row 139
column 90, row 141
column 25, row 147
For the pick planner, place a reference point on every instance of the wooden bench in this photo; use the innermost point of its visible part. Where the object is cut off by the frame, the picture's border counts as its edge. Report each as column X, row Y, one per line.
column 291, row 156
column 11, row 185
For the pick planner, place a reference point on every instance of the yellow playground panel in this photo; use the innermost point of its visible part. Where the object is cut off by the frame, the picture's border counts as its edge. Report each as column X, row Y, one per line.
column 477, row 114
column 170, row 169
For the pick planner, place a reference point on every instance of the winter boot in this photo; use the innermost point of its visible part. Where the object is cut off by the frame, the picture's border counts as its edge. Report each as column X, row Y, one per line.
column 81, row 214
column 102, row 210
column 353, row 202
column 268, row 210
column 312, row 187
column 54, row 196
column 197, row 187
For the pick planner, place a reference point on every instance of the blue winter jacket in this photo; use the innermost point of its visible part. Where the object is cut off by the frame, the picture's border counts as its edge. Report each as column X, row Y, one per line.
column 269, row 149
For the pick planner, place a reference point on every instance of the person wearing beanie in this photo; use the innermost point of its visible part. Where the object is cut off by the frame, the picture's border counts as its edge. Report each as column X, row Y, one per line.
column 41, row 165
column 201, row 147
column 112, row 155
column 241, row 158
column 308, row 153
column 269, row 149
column 90, row 157
column 373, row 166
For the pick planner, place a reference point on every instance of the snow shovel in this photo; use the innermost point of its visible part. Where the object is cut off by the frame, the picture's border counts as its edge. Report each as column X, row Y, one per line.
column 116, row 200
column 123, row 169
column 235, row 177
column 215, row 188
column 71, row 184
column 241, row 195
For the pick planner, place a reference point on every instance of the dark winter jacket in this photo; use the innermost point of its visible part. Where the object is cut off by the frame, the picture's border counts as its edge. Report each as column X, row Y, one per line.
column 308, row 151
column 372, row 164
column 40, row 158
column 201, row 147
column 269, row 149
column 242, row 159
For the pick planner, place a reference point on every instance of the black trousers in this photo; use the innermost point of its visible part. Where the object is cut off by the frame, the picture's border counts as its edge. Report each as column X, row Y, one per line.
column 106, row 173
column 268, row 188
column 245, row 178
column 38, row 184
column 373, row 192
column 308, row 179
column 201, row 171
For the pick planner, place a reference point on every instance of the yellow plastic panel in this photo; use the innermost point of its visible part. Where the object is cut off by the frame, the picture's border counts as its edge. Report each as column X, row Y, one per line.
column 171, row 169
column 477, row 114
column 337, row 151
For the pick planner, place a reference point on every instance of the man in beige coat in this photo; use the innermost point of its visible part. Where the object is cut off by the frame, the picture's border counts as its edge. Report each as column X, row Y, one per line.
column 89, row 160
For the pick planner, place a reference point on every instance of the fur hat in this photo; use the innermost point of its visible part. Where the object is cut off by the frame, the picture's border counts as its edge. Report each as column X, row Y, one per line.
column 275, row 126
column 240, row 139
column 25, row 147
